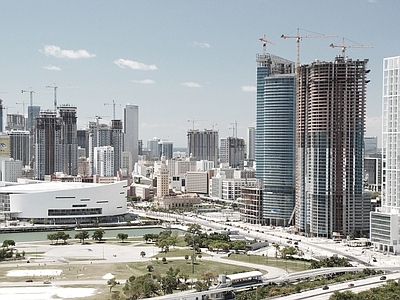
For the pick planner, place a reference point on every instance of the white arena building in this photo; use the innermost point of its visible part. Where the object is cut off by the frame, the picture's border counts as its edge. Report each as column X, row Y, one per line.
column 63, row 202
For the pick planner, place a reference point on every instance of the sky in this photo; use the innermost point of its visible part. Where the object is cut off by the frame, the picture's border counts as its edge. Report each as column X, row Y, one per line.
column 186, row 64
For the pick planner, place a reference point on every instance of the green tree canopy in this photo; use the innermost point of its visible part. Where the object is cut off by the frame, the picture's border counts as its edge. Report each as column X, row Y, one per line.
column 82, row 236
column 98, row 234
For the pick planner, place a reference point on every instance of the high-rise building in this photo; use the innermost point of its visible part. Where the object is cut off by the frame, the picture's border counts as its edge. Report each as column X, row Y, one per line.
column 15, row 122
column 117, row 141
column 99, row 135
column 251, row 145
column 104, row 161
column 330, row 148
column 1, row 115
column 385, row 221
column 152, row 147
column 131, row 132
column 232, row 152
column 11, row 170
column 166, row 148
column 33, row 113
column 203, row 145
column 275, row 137
column 19, row 147
column 69, row 139
column 49, row 147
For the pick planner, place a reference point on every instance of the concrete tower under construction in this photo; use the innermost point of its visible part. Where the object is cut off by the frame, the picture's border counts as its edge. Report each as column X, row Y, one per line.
column 69, row 139
column 330, row 127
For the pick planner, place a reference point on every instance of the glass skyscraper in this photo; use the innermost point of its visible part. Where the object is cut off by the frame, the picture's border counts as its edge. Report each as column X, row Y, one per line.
column 275, row 137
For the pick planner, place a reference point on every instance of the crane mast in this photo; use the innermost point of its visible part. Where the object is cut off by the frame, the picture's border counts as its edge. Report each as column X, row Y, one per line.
column 344, row 47
column 55, row 95
column 113, row 105
column 298, row 38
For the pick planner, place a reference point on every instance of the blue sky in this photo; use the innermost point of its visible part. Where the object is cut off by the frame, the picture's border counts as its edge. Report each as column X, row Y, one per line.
column 178, row 60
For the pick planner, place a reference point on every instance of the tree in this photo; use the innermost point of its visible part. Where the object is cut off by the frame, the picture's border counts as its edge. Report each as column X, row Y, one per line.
column 61, row 235
column 52, row 237
column 164, row 260
column 169, row 283
column 98, row 234
column 111, row 282
column 140, row 287
column 122, row 237
column 8, row 243
column 142, row 254
column 82, row 236
column 186, row 257
column 150, row 268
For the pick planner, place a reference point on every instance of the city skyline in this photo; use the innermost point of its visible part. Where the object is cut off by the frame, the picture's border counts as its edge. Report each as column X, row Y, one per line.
column 178, row 61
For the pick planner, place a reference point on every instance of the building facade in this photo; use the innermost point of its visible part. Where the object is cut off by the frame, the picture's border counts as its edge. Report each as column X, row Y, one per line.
column 232, row 152
column 69, row 139
column 330, row 148
column 203, row 145
column 49, row 147
column 275, row 137
column 131, row 133
column 385, row 221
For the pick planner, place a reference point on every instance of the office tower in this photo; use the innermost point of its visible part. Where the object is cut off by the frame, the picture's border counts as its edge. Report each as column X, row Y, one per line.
column 371, row 144
column 166, row 148
column 330, row 148
column 131, row 132
column 49, row 147
column 104, row 161
column 82, row 137
column 69, row 139
column 251, row 145
column 152, row 147
column 203, row 145
column 99, row 135
column 232, row 152
column 117, row 141
column 33, row 113
column 15, row 122
column 385, row 221
column 275, row 137
column 19, row 147
column 162, row 180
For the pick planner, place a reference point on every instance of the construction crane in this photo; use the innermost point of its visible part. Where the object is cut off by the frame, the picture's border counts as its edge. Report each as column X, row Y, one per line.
column 234, row 129
column 55, row 94
column 113, row 105
column 193, row 121
column 31, row 92
column 213, row 125
column 299, row 37
column 23, row 106
column 265, row 41
column 344, row 46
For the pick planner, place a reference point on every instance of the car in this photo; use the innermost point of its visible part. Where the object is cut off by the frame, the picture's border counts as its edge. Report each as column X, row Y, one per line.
column 47, row 282
column 383, row 278
column 29, row 280
column 351, row 284
column 325, row 287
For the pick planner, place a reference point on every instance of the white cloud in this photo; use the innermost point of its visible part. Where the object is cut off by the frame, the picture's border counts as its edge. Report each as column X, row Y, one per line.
column 248, row 88
column 202, row 45
column 191, row 84
column 144, row 81
column 134, row 65
column 52, row 68
column 51, row 50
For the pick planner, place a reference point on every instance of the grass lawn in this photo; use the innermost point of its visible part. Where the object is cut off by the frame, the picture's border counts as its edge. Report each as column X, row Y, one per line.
column 290, row 265
column 178, row 252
